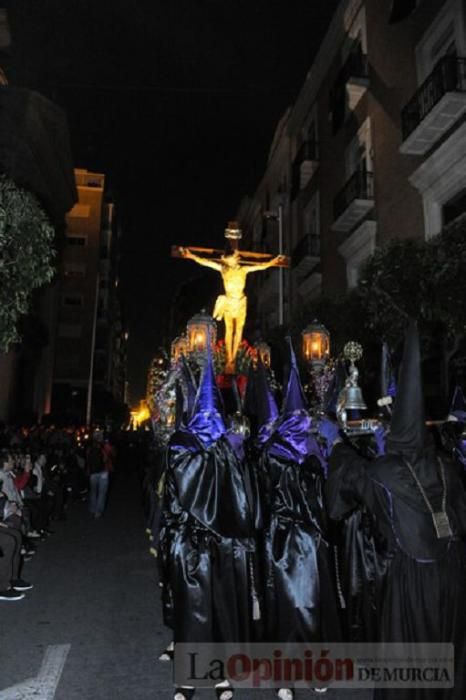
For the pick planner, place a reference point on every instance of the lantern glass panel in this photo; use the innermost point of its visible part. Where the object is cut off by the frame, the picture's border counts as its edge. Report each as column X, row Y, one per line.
column 316, row 344
column 264, row 353
column 200, row 327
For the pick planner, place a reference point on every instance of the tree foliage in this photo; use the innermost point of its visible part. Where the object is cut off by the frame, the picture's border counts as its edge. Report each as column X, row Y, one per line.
column 26, row 254
column 422, row 279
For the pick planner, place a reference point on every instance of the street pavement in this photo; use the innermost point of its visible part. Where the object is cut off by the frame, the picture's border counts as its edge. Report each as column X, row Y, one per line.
column 91, row 628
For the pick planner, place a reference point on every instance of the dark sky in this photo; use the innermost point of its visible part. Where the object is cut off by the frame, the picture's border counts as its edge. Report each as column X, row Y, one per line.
column 177, row 100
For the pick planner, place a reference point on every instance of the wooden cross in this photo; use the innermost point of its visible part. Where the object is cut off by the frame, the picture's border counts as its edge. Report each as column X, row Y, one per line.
column 232, row 236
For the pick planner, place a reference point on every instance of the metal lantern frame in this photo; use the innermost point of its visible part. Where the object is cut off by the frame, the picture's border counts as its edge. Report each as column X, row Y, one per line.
column 316, row 344
column 264, row 353
column 200, row 328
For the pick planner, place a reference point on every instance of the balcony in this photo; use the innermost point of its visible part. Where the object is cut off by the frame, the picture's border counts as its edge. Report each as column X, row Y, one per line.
column 355, row 250
column 356, row 77
column 311, row 287
column 306, row 254
column 438, row 103
column 304, row 166
column 351, row 84
column 354, row 202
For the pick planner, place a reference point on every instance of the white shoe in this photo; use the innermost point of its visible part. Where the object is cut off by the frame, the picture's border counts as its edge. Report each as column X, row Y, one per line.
column 285, row 694
column 34, row 535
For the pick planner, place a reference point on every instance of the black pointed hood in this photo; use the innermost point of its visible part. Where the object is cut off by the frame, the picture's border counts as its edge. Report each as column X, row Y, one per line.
column 407, row 429
column 387, row 375
column 179, row 405
column 190, row 388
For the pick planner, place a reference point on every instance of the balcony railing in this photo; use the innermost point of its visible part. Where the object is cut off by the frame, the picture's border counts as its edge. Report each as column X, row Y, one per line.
column 309, row 150
column 360, row 186
column 307, row 248
column 304, row 165
column 356, row 67
column 353, row 77
column 449, row 75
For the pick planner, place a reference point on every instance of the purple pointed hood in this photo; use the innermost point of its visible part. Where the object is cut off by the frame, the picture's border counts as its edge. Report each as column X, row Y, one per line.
column 294, row 397
column 266, row 406
column 190, row 389
column 293, row 439
column 207, row 421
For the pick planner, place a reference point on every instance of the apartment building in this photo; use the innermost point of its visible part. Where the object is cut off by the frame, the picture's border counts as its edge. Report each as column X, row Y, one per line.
column 89, row 344
column 373, row 148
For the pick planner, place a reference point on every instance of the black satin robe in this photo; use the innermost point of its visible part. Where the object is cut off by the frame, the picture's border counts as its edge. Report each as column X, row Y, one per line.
column 299, row 585
column 424, row 593
column 207, row 542
column 362, row 566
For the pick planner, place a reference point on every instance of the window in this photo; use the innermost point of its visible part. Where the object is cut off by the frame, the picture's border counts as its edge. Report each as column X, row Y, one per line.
column 311, row 218
column 311, row 225
column 74, row 270
column 78, row 241
column 454, row 208
column 358, row 154
column 446, row 35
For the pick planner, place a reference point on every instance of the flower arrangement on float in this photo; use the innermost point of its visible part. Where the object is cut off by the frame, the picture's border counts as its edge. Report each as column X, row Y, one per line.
column 245, row 356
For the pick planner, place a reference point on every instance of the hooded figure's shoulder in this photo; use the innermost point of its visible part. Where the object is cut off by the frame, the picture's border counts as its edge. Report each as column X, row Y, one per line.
column 386, row 469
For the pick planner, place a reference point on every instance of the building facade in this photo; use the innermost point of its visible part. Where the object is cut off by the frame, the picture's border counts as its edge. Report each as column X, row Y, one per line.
column 89, row 344
column 373, row 149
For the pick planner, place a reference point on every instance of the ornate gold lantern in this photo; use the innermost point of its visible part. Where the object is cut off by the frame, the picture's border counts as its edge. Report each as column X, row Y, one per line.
column 199, row 328
column 316, row 344
column 264, row 353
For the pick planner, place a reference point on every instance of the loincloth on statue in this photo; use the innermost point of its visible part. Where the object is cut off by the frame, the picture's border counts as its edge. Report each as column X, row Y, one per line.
column 229, row 307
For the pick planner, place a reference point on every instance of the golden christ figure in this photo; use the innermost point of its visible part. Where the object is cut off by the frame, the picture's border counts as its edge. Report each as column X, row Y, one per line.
column 231, row 307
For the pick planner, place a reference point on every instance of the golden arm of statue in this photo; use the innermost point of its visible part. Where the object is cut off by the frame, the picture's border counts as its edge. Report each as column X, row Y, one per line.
column 265, row 265
column 188, row 255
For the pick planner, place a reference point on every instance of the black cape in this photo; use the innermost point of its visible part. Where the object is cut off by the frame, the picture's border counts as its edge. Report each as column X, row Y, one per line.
column 424, row 596
column 208, row 541
column 299, row 583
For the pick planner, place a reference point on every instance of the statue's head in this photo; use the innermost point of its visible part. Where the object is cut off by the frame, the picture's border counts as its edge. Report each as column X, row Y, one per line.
column 231, row 260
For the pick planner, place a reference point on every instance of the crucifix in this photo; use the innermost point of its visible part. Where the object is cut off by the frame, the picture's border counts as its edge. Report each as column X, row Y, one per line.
column 233, row 265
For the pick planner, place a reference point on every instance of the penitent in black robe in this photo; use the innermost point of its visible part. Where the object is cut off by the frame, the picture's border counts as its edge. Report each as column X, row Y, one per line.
column 424, row 595
column 300, row 593
column 362, row 566
column 207, row 543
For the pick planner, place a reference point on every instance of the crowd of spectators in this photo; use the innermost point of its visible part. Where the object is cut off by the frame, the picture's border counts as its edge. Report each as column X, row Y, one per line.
column 42, row 471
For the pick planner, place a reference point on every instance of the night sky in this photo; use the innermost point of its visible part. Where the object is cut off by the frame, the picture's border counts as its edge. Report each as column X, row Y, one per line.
column 177, row 101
